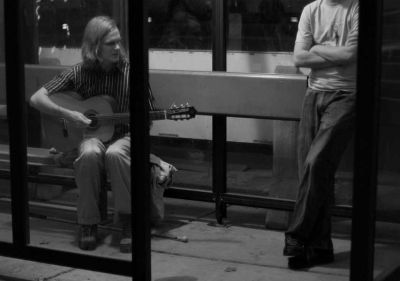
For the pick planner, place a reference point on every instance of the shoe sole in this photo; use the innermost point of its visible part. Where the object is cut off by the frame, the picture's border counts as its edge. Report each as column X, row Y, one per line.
column 299, row 262
column 292, row 251
column 87, row 247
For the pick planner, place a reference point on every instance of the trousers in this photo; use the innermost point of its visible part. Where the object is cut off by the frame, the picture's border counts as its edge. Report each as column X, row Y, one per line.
column 326, row 126
column 95, row 160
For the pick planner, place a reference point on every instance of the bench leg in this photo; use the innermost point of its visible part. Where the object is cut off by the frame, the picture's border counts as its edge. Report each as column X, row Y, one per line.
column 284, row 170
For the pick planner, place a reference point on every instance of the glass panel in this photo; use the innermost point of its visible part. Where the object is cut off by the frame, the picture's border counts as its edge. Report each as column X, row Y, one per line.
column 249, row 156
column 263, row 25
column 5, row 196
column 81, row 194
column 265, row 162
column 180, row 24
column 387, row 250
column 180, row 35
column 61, row 25
column 261, row 37
column 180, row 39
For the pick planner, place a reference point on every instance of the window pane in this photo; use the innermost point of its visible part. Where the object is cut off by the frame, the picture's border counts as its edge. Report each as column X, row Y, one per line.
column 66, row 213
column 180, row 40
column 387, row 252
column 263, row 25
column 261, row 37
column 180, row 34
column 181, row 24
column 61, row 25
column 261, row 41
column 5, row 196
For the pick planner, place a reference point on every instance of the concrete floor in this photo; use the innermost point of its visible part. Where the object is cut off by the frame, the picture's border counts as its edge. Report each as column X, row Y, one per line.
column 241, row 249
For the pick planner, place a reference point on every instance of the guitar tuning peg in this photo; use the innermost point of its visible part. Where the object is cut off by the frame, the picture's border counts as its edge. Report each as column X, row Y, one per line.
column 182, row 106
column 173, row 105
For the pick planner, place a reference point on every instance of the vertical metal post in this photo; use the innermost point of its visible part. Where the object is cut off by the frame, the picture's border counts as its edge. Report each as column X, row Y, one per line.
column 16, row 112
column 140, row 170
column 366, row 141
column 219, row 35
column 219, row 122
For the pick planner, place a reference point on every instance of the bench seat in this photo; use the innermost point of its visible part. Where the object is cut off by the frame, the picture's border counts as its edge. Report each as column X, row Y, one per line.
column 36, row 156
column 43, row 169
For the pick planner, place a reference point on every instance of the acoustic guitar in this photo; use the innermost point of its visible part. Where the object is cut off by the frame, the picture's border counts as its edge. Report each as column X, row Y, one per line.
column 63, row 136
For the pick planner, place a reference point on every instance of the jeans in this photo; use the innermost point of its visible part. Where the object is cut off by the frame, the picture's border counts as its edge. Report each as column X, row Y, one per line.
column 94, row 159
column 326, row 126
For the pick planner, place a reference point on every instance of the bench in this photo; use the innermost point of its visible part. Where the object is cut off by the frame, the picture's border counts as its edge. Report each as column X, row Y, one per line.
column 276, row 97
column 38, row 160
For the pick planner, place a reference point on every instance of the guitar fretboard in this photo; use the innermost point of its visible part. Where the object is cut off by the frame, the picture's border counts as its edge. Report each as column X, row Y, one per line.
column 153, row 115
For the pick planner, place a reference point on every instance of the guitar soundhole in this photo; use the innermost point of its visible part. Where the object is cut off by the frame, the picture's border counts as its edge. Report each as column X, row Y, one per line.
column 95, row 122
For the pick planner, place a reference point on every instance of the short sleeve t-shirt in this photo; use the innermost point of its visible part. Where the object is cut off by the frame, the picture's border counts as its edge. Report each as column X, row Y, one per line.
column 331, row 25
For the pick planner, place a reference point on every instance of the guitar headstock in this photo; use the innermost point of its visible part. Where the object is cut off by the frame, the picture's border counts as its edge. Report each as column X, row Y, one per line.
column 182, row 112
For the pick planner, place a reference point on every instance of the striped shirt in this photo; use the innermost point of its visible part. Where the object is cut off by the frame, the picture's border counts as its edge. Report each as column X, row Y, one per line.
column 93, row 81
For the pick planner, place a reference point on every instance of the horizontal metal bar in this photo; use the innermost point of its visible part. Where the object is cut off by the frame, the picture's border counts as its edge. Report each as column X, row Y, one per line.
column 75, row 260
column 43, row 178
column 189, row 194
column 275, row 203
column 238, row 199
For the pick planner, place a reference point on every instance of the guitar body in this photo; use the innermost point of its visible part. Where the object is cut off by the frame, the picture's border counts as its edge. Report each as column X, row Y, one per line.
column 64, row 136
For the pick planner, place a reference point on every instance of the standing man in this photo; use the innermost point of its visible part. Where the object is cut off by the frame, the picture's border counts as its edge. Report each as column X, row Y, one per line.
column 326, row 42
column 103, row 71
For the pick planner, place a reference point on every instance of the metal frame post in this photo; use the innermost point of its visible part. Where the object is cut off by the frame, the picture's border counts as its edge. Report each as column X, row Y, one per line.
column 140, row 169
column 17, row 116
column 366, row 141
column 219, row 121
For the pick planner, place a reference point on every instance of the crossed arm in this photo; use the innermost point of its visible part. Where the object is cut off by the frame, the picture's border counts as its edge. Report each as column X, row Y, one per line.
column 321, row 56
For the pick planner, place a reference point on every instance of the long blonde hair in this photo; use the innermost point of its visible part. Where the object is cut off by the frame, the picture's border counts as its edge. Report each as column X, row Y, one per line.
column 95, row 32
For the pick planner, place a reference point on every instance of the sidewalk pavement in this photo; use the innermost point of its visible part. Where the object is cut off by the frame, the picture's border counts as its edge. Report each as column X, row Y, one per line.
column 240, row 250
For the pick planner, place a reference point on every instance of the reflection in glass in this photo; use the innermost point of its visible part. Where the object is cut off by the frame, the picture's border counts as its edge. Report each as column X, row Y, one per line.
column 180, row 35
column 263, row 25
column 387, row 250
column 180, row 24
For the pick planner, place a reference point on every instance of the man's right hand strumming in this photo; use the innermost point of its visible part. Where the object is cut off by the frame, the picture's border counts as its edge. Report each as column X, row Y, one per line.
column 76, row 118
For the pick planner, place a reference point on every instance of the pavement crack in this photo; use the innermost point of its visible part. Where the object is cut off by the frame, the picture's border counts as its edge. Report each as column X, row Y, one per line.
column 57, row 274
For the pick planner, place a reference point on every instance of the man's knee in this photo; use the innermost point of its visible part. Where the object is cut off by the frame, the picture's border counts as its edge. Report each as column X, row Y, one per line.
column 91, row 151
column 114, row 153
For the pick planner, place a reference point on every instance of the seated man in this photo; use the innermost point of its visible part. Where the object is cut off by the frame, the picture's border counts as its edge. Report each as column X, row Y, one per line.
column 104, row 71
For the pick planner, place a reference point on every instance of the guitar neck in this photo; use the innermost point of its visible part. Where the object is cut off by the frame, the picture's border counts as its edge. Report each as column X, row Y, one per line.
column 124, row 117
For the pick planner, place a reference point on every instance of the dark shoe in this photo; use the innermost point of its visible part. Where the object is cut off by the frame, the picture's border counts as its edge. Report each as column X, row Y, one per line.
column 311, row 257
column 293, row 246
column 125, row 245
column 87, row 237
